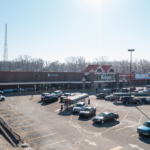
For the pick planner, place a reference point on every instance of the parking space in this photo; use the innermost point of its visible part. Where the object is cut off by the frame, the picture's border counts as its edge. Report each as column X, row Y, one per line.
column 43, row 126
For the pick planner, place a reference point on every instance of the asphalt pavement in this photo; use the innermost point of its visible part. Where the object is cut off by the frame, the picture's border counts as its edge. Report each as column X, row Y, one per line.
column 44, row 127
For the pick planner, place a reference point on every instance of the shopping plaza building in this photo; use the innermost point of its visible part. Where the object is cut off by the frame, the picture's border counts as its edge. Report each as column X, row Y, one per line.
column 92, row 77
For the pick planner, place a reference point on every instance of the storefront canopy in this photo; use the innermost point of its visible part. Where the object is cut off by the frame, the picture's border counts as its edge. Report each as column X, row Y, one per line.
column 44, row 82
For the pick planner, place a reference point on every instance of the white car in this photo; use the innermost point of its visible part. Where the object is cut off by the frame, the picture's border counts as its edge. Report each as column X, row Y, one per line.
column 57, row 93
column 43, row 95
column 1, row 92
column 79, row 106
column 2, row 98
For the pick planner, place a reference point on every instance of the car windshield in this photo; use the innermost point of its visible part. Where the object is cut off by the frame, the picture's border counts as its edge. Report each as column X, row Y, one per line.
column 66, row 94
column 51, row 97
column 86, row 109
column 54, row 92
column 147, row 124
column 101, row 115
column 78, row 105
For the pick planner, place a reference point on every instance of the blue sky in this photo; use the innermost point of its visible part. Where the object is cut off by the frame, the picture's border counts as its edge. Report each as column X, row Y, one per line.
column 56, row 29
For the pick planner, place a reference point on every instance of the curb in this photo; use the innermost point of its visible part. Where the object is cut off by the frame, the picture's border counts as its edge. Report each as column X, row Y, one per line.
column 40, row 92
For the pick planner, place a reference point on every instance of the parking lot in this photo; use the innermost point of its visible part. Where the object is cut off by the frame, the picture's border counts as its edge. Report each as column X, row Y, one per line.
column 43, row 126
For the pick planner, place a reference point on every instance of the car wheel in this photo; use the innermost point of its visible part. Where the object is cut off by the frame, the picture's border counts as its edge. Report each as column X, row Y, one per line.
column 138, row 103
column 127, row 103
column 102, row 121
column 45, row 101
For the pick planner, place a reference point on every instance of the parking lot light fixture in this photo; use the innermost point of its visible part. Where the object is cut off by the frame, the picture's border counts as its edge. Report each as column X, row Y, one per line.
column 130, row 50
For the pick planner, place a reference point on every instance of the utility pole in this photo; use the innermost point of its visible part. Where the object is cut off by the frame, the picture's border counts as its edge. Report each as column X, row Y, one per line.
column 130, row 50
column 5, row 56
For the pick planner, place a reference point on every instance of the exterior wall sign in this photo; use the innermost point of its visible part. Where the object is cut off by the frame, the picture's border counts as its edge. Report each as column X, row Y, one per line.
column 126, row 76
column 105, row 77
column 52, row 75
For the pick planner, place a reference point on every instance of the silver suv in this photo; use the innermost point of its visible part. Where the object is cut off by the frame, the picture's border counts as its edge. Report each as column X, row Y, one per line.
column 58, row 93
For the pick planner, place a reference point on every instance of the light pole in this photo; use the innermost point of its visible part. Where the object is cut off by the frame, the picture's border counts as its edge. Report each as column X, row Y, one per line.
column 130, row 50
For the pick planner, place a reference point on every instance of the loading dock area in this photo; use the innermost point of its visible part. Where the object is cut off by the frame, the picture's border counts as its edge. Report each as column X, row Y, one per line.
column 43, row 126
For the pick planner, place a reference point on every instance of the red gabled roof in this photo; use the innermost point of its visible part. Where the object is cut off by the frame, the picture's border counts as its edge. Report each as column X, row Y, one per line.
column 89, row 67
column 106, row 67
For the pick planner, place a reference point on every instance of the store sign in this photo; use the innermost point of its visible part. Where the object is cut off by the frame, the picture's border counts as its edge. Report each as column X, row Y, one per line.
column 52, row 75
column 125, row 76
column 105, row 77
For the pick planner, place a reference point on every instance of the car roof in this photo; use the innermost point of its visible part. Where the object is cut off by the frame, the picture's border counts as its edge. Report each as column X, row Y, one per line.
column 106, row 113
column 57, row 91
column 80, row 102
column 52, row 94
column 88, row 107
column 126, row 96
column 45, row 93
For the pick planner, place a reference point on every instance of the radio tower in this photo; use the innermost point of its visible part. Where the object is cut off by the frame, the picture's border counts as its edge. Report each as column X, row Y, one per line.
column 5, row 57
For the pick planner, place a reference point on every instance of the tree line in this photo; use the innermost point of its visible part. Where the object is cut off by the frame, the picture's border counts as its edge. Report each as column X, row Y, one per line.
column 74, row 64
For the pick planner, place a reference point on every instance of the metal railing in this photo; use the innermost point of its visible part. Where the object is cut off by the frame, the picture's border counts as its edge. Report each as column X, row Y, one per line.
column 15, row 135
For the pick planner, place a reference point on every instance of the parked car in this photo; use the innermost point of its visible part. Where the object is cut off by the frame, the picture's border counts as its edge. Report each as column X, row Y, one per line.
column 145, row 100
column 109, row 97
column 65, row 95
column 129, row 99
column 43, row 95
column 148, row 86
column 115, row 90
column 145, row 91
column 144, row 129
column 105, row 116
column 79, row 106
column 132, row 89
column 58, row 93
column 124, row 90
column 101, row 95
column 2, row 98
column 87, row 112
column 106, row 91
column 50, row 98
column 148, row 90
column 1, row 92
